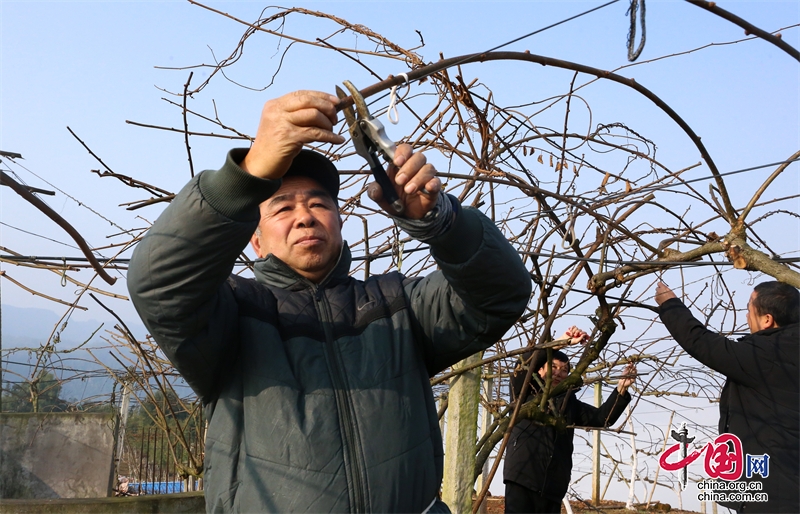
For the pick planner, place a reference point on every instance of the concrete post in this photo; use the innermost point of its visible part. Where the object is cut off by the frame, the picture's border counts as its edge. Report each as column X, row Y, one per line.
column 598, row 401
column 123, row 423
column 461, row 435
column 487, row 388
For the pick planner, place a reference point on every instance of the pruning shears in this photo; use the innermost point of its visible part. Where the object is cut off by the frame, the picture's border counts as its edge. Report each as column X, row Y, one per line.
column 369, row 139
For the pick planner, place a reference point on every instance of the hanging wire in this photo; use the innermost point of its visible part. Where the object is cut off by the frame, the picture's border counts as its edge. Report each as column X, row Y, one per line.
column 398, row 251
column 552, row 25
column 79, row 202
column 707, row 177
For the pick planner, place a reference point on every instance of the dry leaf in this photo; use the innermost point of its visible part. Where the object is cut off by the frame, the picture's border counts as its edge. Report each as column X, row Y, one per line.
column 541, row 161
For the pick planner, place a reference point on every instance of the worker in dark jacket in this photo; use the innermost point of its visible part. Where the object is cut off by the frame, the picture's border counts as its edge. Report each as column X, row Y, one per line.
column 315, row 384
column 760, row 402
column 538, row 461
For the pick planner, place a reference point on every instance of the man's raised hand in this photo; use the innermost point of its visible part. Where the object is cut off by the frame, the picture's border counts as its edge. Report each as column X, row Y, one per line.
column 287, row 123
column 663, row 293
column 415, row 182
column 628, row 378
column 576, row 336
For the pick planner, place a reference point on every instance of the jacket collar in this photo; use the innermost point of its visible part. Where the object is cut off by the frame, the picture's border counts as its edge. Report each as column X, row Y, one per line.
column 274, row 272
column 770, row 331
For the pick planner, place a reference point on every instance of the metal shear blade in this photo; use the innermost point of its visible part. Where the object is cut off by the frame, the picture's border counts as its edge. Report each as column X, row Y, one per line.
column 369, row 138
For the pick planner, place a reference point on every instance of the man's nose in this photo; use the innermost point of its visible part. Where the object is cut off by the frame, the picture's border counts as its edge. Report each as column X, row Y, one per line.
column 305, row 218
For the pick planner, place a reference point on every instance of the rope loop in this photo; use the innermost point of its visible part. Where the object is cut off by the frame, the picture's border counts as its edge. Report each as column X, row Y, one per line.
column 569, row 234
column 64, row 274
column 391, row 113
column 634, row 54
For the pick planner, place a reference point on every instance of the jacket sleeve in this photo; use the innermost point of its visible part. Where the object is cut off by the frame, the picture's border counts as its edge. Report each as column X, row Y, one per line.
column 517, row 379
column 605, row 415
column 479, row 292
column 535, row 359
column 178, row 275
column 733, row 359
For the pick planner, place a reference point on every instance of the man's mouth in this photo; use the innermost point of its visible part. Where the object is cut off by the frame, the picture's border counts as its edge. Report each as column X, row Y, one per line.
column 308, row 240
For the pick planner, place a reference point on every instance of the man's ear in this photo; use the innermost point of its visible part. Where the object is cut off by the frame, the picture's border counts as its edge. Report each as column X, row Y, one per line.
column 256, row 244
column 769, row 321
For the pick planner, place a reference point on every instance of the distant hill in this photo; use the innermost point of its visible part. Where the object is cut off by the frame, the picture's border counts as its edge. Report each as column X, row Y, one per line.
column 38, row 324
column 31, row 327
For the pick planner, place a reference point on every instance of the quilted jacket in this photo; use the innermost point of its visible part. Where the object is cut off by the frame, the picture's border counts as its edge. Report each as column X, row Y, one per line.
column 318, row 396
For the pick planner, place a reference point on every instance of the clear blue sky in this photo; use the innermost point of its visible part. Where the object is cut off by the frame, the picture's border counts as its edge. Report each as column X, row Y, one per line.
column 91, row 66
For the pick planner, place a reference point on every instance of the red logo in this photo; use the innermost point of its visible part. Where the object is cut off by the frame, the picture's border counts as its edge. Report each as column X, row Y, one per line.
column 724, row 458
column 721, row 461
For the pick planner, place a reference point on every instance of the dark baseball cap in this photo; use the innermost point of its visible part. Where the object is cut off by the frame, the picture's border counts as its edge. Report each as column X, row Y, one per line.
column 314, row 165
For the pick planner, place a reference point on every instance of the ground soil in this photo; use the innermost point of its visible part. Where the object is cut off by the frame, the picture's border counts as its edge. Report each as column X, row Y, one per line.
column 496, row 505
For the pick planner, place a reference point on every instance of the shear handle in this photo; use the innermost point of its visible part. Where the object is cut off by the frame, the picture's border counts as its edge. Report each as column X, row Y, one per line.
column 387, row 188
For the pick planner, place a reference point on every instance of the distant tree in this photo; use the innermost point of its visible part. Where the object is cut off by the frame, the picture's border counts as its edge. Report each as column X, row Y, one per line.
column 42, row 394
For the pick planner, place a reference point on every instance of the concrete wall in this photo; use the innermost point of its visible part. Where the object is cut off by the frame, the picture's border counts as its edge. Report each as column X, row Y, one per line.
column 56, row 455
column 157, row 503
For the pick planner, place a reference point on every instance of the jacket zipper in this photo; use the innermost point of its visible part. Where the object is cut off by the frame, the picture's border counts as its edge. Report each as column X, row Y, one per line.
column 344, row 406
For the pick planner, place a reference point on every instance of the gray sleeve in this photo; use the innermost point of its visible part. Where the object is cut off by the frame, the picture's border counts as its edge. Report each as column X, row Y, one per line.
column 479, row 292
column 178, row 273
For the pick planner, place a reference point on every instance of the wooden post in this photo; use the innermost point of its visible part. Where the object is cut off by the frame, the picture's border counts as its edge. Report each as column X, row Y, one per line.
column 598, row 401
column 461, row 434
column 487, row 387
column 658, row 468
column 634, row 464
column 123, row 425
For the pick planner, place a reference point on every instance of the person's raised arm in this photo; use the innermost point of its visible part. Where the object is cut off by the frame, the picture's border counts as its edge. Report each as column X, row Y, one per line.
column 608, row 413
column 179, row 271
column 482, row 287
column 736, row 360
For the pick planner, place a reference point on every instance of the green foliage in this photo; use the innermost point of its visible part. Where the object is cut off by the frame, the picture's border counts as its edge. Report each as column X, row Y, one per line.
column 42, row 394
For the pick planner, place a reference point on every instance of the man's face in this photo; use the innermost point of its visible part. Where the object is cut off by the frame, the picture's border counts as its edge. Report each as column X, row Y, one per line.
column 300, row 225
column 755, row 320
column 560, row 371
